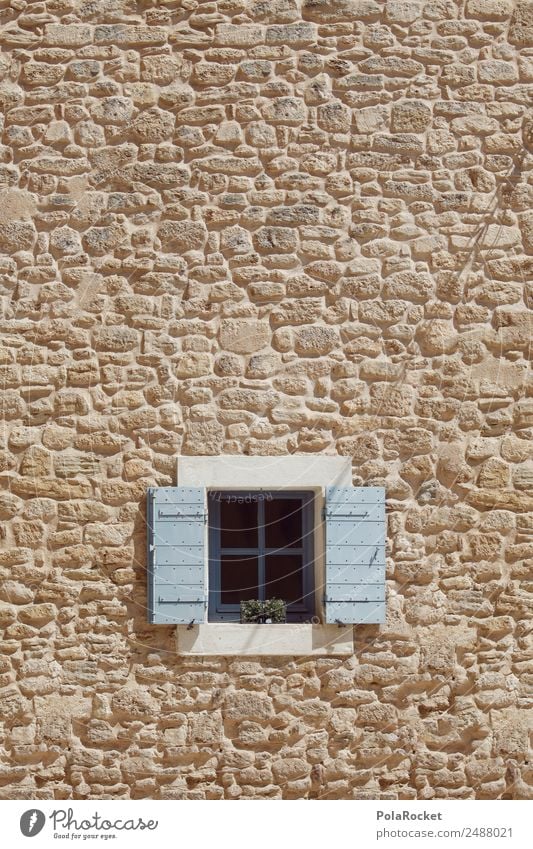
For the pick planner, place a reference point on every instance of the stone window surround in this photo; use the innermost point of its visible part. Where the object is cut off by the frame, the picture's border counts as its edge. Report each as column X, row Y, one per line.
column 300, row 471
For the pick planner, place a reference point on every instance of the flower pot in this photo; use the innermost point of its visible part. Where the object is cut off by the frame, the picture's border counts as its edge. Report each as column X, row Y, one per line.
column 270, row 611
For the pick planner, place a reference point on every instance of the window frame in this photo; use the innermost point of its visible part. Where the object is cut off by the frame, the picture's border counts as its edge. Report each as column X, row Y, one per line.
column 299, row 612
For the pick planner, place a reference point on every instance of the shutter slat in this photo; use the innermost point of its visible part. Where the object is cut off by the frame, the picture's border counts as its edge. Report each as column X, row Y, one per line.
column 355, row 495
column 179, row 575
column 172, row 555
column 177, row 495
column 179, row 533
column 355, row 555
column 357, row 613
column 374, row 574
column 357, row 592
column 176, row 555
column 352, row 533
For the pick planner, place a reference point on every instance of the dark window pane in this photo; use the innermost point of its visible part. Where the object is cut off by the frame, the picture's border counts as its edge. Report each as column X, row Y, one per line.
column 283, row 523
column 238, row 522
column 283, row 577
column 238, row 578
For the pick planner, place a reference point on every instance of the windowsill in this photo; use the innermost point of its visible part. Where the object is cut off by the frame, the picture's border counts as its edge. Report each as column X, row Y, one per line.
column 221, row 638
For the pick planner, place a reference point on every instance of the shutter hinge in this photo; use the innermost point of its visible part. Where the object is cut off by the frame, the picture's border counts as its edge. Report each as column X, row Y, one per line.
column 178, row 515
column 326, row 514
column 347, row 600
column 180, row 600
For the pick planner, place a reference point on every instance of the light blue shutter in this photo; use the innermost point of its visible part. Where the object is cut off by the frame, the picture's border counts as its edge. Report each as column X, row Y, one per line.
column 176, row 555
column 355, row 554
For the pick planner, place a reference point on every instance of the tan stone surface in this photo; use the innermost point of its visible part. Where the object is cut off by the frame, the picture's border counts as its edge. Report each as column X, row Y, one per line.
column 247, row 228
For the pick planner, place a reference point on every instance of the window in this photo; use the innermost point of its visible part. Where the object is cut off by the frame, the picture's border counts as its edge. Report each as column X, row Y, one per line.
column 260, row 547
column 320, row 546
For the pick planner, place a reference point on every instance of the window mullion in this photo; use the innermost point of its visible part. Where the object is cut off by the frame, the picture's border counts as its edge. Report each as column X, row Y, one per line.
column 275, row 551
column 238, row 552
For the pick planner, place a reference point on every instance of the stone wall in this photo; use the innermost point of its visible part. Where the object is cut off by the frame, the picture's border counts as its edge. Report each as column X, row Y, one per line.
column 265, row 227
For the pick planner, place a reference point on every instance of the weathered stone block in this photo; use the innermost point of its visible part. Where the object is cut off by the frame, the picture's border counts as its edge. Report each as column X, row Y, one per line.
column 408, row 285
column 275, row 239
column 103, row 240
column 242, row 35
column 153, row 126
column 297, row 312
column 203, row 438
column 67, row 35
column 130, row 36
column 182, row 235
column 243, row 336
column 521, row 26
column 375, row 714
column 247, row 705
column 437, row 337
column 387, row 400
column 498, row 73
column 495, row 10
column 325, row 11
column 11, row 404
column 115, row 339
column 526, row 227
column 212, row 73
column 162, row 70
column 361, row 448
column 292, row 34
column 113, row 110
column 65, row 240
column 135, row 703
column 37, row 614
column 334, row 117
column 41, row 73
column 287, row 111
column 99, row 442
column 193, row 364
column 205, row 728
column 247, row 399
column 16, row 236
column 14, row 592
column 315, row 341
column 410, row 116
column 99, row 534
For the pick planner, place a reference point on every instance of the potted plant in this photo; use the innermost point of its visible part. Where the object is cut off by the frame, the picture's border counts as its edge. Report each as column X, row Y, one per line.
column 270, row 611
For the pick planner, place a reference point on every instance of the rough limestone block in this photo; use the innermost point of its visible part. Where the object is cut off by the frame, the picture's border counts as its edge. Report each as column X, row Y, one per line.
column 67, row 35
column 521, row 26
column 243, row 336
